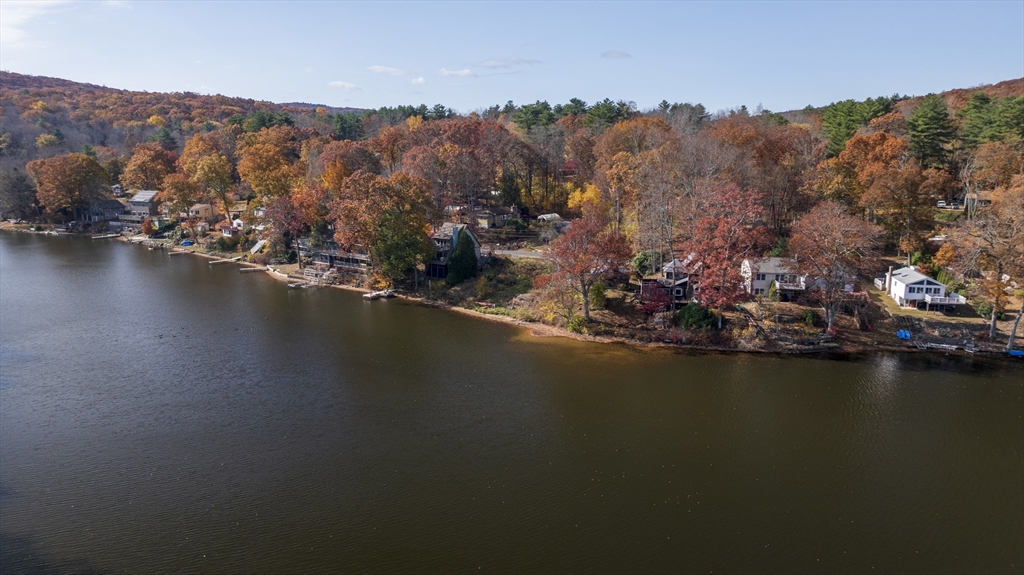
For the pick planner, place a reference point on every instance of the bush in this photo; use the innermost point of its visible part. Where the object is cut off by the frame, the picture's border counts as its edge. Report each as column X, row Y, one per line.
column 598, row 294
column 809, row 317
column 577, row 324
column 694, row 317
column 227, row 244
column 641, row 264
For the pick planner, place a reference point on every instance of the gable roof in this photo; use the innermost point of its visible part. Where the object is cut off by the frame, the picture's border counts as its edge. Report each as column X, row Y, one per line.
column 774, row 266
column 911, row 276
column 144, row 196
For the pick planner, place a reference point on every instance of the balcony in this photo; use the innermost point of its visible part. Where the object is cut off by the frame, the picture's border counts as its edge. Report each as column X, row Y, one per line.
column 948, row 299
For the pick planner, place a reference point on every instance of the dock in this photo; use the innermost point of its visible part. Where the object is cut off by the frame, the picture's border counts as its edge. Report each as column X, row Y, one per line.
column 244, row 270
column 225, row 261
column 105, row 236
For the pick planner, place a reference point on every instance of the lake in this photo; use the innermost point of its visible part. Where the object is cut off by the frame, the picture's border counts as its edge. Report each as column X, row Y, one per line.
column 159, row 414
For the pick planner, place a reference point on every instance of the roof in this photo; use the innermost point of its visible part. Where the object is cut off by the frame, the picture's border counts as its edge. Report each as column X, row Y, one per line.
column 107, row 205
column 144, row 196
column 200, row 206
column 774, row 265
column 911, row 276
column 447, row 230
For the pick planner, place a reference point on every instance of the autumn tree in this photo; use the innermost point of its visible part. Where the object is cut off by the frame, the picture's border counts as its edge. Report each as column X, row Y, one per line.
column 386, row 216
column 148, row 167
column 17, row 194
column 213, row 173
column 266, row 161
column 892, row 182
column 588, row 252
column 723, row 230
column 990, row 248
column 178, row 192
column 832, row 246
column 67, row 183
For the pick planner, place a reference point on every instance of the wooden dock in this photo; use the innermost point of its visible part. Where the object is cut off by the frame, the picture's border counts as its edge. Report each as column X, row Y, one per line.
column 244, row 270
column 215, row 262
column 105, row 236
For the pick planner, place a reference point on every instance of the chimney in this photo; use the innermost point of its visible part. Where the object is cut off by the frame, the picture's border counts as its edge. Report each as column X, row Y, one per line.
column 888, row 279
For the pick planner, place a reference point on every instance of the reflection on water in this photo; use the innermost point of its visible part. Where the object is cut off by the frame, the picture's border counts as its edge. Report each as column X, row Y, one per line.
column 160, row 414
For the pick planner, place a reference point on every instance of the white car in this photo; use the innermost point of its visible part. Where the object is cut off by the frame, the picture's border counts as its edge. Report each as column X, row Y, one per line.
column 941, row 205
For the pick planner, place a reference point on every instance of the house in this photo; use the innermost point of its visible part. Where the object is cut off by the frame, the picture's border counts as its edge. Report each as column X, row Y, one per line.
column 201, row 211
column 116, row 190
column 549, row 217
column 238, row 224
column 911, row 288
column 445, row 240
column 225, row 227
column 237, row 209
column 332, row 255
column 141, row 206
column 105, row 210
column 759, row 275
column 672, row 285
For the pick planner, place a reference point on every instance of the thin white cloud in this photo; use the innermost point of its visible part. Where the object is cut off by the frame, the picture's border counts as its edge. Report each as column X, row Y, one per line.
column 616, row 54
column 14, row 15
column 420, row 80
column 507, row 62
column 343, row 85
column 386, row 70
column 465, row 72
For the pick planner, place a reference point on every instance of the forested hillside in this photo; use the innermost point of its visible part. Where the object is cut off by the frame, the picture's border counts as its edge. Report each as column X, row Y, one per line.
column 379, row 178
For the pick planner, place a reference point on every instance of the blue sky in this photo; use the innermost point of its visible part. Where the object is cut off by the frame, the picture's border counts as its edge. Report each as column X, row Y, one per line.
column 470, row 55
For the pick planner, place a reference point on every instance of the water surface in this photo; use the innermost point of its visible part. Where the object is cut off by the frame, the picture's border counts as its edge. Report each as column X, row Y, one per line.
column 158, row 414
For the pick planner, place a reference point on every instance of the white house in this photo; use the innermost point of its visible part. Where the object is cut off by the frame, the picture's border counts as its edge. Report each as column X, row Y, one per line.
column 910, row 287
column 760, row 274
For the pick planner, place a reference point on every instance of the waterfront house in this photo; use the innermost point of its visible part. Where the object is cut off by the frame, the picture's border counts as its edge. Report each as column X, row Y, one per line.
column 330, row 254
column 759, row 275
column 105, row 210
column 201, row 211
column 911, row 288
column 671, row 285
column 445, row 240
column 225, row 227
column 142, row 205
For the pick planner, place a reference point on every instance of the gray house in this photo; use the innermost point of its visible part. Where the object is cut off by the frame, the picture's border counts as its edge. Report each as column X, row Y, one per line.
column 141, row 206
column 445, row 240
column 105, row 210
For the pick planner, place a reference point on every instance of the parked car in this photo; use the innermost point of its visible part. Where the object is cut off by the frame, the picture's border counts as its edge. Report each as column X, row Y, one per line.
column 954, row 206
column 941, row 205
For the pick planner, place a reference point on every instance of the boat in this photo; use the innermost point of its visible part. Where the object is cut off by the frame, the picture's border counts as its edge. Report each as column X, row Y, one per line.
column 1016, row 353
column 379, row 294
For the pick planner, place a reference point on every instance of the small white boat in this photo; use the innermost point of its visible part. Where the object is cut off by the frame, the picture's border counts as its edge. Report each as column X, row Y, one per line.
column 379, row 294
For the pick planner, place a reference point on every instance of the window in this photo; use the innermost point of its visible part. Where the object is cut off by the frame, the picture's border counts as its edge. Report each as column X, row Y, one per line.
column 759, row 277
column 778, row 277
column 759, row 291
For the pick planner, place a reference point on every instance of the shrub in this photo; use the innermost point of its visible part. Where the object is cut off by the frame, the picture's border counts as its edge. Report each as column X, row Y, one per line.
column 577, row 324
column 598, row 294
column 809, row 317
column 641, row 264
column 693, row 316
column 227, row 244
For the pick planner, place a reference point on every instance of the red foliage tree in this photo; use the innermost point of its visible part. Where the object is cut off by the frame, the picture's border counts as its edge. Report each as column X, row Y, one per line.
column 728, row 229
column 588, row 252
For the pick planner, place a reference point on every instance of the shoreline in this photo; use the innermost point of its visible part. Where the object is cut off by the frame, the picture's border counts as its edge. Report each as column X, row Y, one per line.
column 537, row 329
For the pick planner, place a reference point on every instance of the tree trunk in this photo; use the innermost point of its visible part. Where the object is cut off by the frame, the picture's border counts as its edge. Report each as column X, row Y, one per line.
column 586, row 299
column 992, row 326
column 1013, row 332
column 719, row 317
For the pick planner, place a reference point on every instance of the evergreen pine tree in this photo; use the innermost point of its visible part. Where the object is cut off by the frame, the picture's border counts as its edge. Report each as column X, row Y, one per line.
column 930, row 131
column 462, row 264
